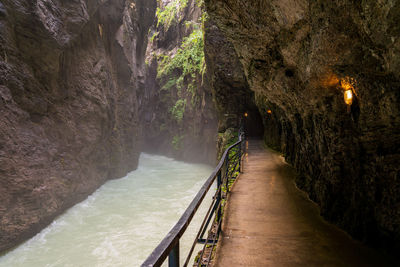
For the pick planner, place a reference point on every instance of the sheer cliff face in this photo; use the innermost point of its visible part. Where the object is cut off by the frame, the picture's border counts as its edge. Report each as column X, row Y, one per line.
column 231, row 92
column 69, row 74
column 177, row 112
column 295, row 54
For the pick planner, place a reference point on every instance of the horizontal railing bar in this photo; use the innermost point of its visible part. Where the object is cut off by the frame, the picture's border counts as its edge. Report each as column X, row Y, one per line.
column 202, row 241
column 161, row 252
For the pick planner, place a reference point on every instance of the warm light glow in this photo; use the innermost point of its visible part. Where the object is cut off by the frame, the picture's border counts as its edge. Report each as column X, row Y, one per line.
column 346, row 85
column 329, row 80
column 348, row 97
column 245, row 114
column 348, row 90
column 269, row 111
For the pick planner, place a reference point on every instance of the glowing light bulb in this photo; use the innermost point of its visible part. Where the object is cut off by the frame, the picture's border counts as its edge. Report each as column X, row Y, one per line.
column 245, row 114
column 348, row 97
column 269, row 111
column 348, row 89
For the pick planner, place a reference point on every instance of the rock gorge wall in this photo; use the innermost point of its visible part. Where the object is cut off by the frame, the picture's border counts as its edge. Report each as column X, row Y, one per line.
column 294, row 55
column 70, row 76
column 231, row 91
column 178, row 113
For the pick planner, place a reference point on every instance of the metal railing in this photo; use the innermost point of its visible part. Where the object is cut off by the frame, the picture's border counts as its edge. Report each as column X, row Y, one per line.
column 227, row 170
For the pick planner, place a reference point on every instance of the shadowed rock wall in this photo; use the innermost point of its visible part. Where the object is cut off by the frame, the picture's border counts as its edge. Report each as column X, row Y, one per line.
column 294, row 55
column 231, row 92
column 69, row 74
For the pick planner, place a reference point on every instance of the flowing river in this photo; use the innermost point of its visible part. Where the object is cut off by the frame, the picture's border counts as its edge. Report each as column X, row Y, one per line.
column 122, row 222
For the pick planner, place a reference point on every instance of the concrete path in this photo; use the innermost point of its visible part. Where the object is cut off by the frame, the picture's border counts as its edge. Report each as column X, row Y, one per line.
column 269, row 222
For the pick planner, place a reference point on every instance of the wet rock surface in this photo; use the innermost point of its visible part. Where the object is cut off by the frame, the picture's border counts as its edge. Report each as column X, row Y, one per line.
column 231, row 92
column 69, row 75
column 178, row 113
column 294, row 56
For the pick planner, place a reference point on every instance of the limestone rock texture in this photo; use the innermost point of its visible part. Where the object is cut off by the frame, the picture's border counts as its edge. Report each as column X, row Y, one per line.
column 69, row 76
column 178, row 114
column 231, row 91
column 297, row 55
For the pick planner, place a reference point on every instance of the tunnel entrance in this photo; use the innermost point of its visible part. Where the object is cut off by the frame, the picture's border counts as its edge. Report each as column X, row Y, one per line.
column 253, row 124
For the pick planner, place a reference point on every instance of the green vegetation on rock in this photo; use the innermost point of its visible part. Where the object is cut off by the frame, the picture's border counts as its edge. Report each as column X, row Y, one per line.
column 169, row 84
column 169, row 15
column 177, row 142
column 178, row 110
column 154, row 35
column 179, row 69
column 188, row 62
column 189, row 58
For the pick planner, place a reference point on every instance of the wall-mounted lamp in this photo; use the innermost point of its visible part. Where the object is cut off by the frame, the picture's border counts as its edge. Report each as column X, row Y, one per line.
column 348, row 89
column 348, row 97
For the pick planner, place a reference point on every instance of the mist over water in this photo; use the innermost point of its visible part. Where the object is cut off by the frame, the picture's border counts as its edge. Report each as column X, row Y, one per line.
column 122, row 222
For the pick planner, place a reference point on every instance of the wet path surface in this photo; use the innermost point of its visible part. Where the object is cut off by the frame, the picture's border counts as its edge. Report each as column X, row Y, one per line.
column 269, row 222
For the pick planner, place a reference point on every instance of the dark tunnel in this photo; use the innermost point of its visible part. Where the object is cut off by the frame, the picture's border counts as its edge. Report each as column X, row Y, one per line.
column 253, row 124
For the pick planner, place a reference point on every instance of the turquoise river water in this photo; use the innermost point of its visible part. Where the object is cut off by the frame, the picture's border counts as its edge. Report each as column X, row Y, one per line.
column 122, row 222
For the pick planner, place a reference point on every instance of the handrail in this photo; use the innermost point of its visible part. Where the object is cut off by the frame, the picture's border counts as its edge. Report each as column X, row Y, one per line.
column 170, row 244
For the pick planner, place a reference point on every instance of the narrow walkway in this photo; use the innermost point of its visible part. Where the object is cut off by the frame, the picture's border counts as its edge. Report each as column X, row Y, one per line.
column 269, row 222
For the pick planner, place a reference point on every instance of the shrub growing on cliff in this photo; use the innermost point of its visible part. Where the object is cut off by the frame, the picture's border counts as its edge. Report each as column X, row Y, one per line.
column 178, row 110
column 177, row 142
column 169, row 15
column 189, row 57
column 168, row 85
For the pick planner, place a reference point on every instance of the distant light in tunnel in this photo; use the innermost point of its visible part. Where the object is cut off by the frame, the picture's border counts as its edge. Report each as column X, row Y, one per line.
column 245, row 114
column 269, row 111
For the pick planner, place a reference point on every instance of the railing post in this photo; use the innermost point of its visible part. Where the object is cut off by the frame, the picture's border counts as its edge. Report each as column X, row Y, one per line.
column 226, row 171
column 241, row 138
column 173, row 259
column 240, row 158
column 219, row 197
